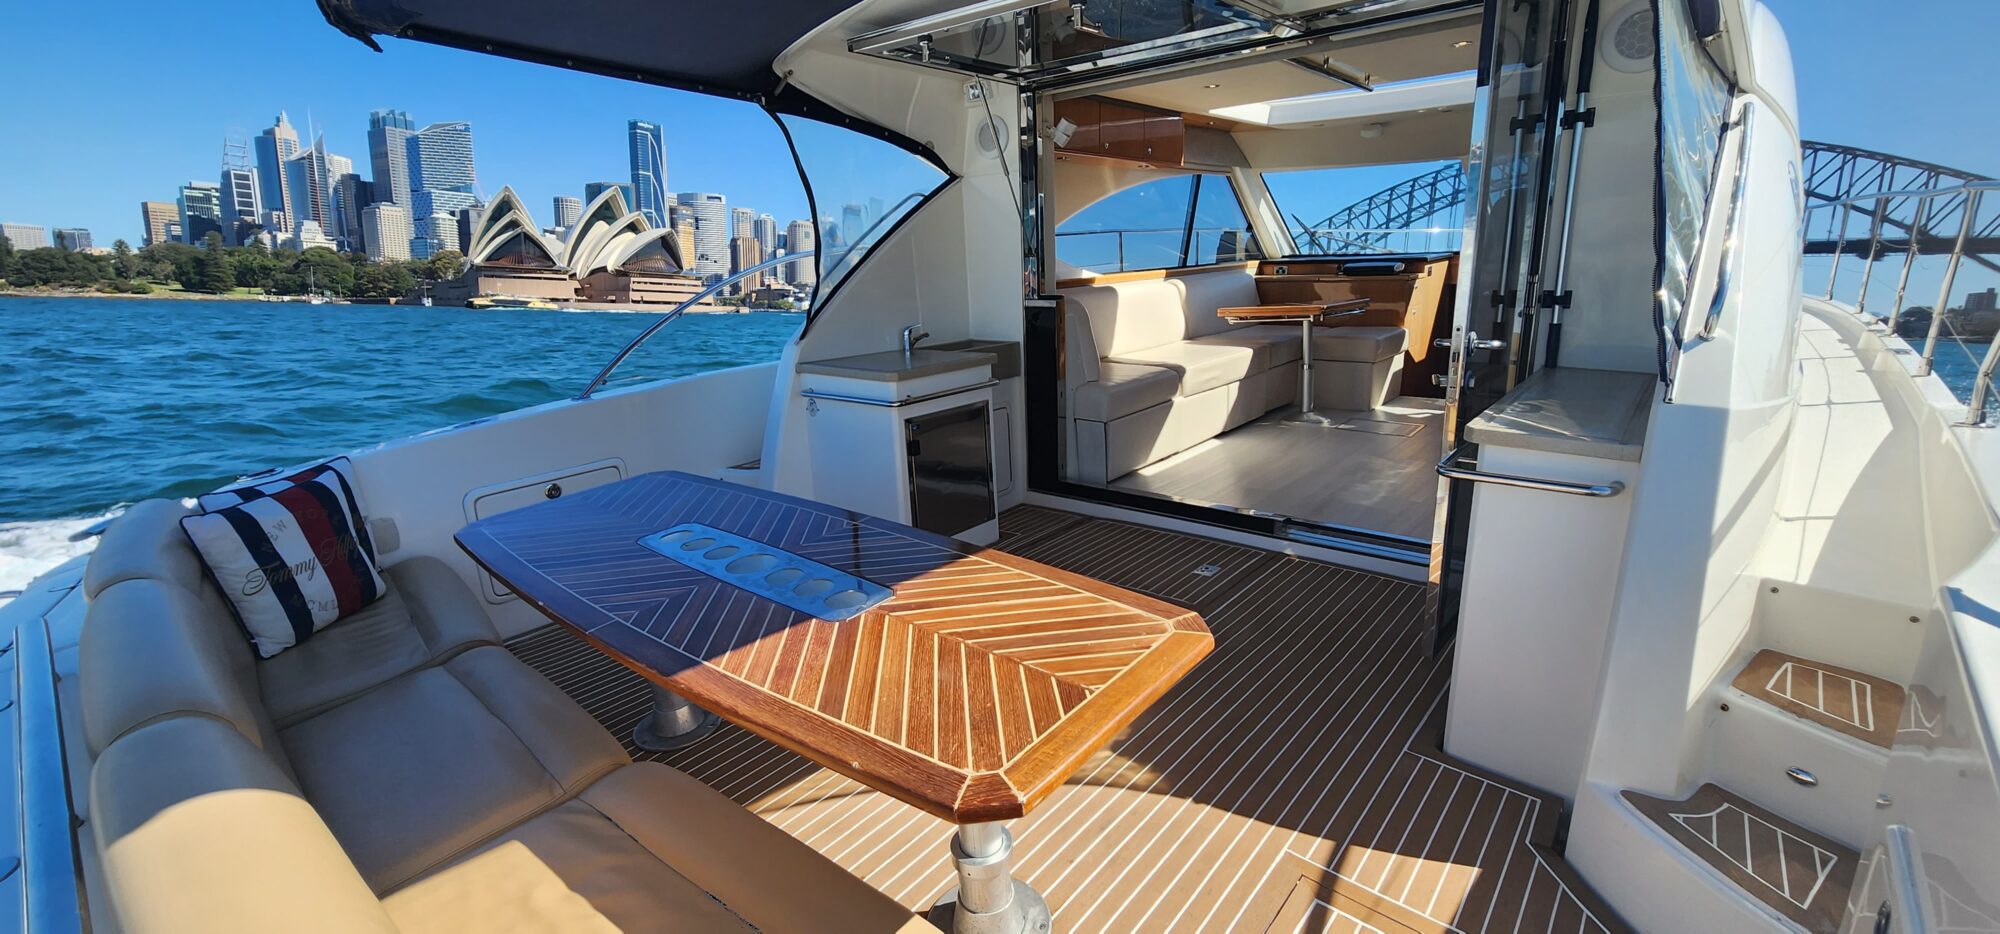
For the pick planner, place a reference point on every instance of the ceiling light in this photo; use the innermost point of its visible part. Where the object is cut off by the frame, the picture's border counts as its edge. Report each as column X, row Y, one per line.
column 1462, row 43
column 1211, row 86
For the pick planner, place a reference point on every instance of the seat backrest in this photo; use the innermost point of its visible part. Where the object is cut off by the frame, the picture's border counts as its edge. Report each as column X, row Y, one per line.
column 151, row 651
column 1203, row 293
column 199, row 831
column 145, row 542
column 1129, row 317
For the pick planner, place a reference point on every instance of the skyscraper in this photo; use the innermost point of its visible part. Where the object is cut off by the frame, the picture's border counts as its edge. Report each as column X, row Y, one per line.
column 25, row 236
column 592, row 189
column 310, row 178
column 200, row 210
column 799, row 238
column 648, row 151
column 389, row 154
column 711, row 232
column 742, row 223
column 386, row 230
column 435, row 234
column 426, row 202
column 158, row 216
column 275, row 147
column 743, row 254
column 351, row 195
column 240, row 203
column 73, row 238
column 568, row 211
column 767, row 234
column 441, row 158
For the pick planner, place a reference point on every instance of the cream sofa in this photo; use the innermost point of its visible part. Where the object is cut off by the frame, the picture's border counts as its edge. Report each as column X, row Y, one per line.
column 1151, row 369
column 399, row 771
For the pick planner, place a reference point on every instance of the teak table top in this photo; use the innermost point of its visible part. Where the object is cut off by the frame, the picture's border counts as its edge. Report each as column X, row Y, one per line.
column 972, row 692
column 1290, row 312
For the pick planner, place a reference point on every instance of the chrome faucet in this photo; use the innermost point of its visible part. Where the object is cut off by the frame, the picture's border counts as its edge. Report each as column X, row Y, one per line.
column 911, row 335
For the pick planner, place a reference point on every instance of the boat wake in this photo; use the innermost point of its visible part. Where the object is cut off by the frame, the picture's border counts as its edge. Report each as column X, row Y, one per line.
column 28, row 549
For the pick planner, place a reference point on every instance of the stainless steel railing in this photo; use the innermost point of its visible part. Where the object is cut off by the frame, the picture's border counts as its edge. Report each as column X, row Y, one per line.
column 603, row 375
column 1925, row 205
column 1732, row 232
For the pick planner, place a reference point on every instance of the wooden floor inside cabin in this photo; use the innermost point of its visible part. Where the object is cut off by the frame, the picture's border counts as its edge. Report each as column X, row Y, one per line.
column 1373, row 470
column 1291, row 782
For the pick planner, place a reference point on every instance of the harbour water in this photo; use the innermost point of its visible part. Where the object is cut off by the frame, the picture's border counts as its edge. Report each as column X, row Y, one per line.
column 107, row 401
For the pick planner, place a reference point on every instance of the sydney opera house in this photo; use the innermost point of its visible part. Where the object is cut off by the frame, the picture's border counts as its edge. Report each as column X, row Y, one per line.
column 613, row 256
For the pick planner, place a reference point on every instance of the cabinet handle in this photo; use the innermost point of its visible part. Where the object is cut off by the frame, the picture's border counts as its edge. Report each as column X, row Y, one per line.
column 552, row 491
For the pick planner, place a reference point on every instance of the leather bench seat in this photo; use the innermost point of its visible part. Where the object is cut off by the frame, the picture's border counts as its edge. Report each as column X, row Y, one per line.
column 464, row 793
column 1359, row 344
column 1201, row 366
column 427, row 616
column 1121, row 389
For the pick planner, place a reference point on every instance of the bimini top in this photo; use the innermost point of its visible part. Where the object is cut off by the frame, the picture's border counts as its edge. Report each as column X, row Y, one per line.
column 714, row 48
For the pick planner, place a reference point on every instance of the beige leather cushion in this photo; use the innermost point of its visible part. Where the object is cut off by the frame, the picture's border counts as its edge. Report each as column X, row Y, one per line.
column 427, row 615
column 145, row 542
column 760, row 872
column 1203, row 294
column 152, row 651
column 1359, row 344
column 1122, row 389
column 1202, row 366
column 577, row 853
column 1128, row 317
column 1284, row 342
column 412, row 773
column 200, row 832
column 505, row 888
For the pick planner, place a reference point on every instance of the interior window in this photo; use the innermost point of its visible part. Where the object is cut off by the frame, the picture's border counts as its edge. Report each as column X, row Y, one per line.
column 1179, row 220
column 1410, row 207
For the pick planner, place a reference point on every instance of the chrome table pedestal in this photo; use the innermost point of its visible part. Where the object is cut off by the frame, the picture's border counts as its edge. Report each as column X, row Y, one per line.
column 674, row 722
column 1306, row 315
column 988, row 900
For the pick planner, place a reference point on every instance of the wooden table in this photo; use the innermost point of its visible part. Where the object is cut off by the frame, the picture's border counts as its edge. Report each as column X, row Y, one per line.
column 972, row 691
column 1307, row 315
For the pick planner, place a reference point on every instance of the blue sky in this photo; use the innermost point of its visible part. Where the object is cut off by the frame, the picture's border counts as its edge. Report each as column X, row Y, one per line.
column 137, row 101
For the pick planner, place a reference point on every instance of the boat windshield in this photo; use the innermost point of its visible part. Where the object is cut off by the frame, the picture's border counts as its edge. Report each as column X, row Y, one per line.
column 861, row 187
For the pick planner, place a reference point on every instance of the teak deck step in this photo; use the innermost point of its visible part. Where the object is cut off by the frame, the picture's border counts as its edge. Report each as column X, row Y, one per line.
column 1798, row 873
column 1841, row 699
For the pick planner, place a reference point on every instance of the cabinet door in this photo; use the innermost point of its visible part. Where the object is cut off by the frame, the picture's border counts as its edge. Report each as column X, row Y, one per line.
column 1003, row 452
column 1166, row 139
column 1124, row 134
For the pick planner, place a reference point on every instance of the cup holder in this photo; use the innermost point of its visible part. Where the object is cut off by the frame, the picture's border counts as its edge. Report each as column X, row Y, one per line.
column 718, row 554
column 784, row 577
column 844, row 599
column 751, row 564
column 813, row 588
column 698, row 544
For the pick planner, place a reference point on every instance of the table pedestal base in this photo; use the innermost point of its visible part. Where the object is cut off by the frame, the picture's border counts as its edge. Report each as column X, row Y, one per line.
column 988, row 900
column 673, row 722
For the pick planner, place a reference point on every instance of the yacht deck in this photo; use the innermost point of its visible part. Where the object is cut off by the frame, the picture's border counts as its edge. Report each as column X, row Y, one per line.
column 1291, row 782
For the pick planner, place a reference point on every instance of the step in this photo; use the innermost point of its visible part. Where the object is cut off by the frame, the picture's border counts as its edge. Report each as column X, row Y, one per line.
column 1844, row 700
column 1801, row 875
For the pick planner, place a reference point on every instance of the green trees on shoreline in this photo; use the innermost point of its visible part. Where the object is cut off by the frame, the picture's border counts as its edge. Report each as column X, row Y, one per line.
column 216, row 269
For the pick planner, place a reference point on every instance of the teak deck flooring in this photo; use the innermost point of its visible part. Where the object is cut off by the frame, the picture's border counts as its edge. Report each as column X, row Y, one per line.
column 1291, row 782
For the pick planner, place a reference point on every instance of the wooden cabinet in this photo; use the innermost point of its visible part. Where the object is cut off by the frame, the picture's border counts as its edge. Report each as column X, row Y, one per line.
column 1110, row 129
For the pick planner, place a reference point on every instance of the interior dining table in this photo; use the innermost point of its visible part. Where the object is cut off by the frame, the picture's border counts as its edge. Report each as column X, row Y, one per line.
column 1306, row 316
column 961, row 680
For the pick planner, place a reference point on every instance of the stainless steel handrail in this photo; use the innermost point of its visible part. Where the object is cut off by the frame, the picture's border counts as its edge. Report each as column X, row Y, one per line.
column 895, row 403
column 603, row 375
column 1448, row 468
column 1732, row 232
column 48, row 824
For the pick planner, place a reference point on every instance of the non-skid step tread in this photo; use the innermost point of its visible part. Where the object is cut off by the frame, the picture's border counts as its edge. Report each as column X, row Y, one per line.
column 1852, row 702
column 1801, row 874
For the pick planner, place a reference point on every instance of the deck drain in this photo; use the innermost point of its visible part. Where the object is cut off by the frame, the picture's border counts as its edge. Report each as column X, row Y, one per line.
column 777, row 575
column 1208, row 570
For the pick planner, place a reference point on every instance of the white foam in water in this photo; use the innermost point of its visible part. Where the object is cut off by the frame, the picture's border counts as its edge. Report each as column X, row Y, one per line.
column 27, row 549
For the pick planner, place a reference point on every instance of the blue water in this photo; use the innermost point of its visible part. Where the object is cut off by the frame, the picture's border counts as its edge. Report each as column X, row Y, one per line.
column 109, row 401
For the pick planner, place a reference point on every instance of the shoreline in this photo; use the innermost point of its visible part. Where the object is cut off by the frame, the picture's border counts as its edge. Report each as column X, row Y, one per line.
column 166, row 294
column 380, row 303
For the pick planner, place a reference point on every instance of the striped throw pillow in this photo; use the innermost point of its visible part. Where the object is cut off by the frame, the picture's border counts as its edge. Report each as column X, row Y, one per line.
column 292, row 555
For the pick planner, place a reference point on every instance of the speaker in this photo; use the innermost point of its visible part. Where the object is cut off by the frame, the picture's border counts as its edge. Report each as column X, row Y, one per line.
column 1625, row 41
